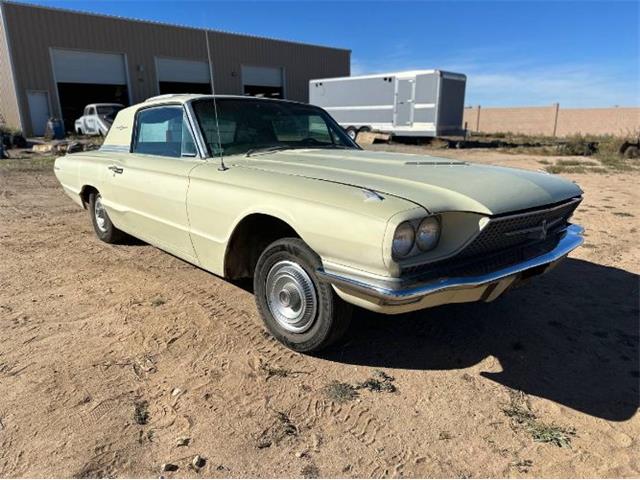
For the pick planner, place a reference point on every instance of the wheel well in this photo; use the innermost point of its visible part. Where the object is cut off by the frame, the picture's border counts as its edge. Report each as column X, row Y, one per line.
column 249, row 239
column 86, row 191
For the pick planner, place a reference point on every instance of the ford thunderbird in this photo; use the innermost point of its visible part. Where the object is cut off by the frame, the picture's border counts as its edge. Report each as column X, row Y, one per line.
column 275, row 191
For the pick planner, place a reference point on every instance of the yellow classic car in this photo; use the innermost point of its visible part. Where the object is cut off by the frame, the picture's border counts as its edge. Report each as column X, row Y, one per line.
column 276, row 191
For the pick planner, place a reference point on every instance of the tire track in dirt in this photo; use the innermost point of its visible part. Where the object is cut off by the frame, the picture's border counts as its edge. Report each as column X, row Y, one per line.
column 357, row 419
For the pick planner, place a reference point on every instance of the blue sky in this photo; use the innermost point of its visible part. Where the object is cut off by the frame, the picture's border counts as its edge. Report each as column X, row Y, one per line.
column 580, row 54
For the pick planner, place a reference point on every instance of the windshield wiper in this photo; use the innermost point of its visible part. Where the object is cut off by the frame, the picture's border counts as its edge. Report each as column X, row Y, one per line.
column 272, row 148
column 279, row 148
column 339, row 147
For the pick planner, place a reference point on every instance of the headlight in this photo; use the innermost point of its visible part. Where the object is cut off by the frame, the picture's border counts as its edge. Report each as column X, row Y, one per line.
column 403, row 239
column 428, row 234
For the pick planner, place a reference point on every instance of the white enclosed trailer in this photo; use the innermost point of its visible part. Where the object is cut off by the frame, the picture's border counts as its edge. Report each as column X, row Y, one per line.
column 419, row 103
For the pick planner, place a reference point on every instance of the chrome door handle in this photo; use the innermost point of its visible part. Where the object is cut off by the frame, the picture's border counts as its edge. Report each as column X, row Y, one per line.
column 115, row 169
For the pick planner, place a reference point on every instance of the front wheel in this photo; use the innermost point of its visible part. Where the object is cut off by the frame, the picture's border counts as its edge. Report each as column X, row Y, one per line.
column 105, row 230
column 300, row 310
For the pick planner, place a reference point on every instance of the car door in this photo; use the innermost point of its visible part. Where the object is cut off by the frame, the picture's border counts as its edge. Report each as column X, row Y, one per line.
column 90, row 120
column 148, row 187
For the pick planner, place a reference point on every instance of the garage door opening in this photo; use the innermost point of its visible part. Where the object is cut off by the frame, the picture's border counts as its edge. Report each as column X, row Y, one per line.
column 182, row 76
column 262, row 81
column 88, row 77
column 74, row 97
column 263, row 91
column 184, row 87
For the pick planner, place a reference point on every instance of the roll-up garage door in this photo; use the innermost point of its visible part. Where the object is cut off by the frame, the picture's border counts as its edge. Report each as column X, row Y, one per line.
column 85, row 77
column 182, row 76
column 262, row 81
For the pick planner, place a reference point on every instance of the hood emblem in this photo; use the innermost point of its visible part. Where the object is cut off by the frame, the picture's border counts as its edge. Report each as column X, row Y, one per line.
column 543, row 230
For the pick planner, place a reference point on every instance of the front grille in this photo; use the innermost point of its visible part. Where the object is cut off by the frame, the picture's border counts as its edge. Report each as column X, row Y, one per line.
column 512, row 229
column 502, row 241
column 488, row 262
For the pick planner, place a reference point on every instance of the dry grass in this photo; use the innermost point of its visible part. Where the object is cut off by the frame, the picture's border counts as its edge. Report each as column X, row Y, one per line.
column 604, row 149
column 141, row 412
column 344, row 392
column 523, row 418
column 340, row 392
column 28, row 163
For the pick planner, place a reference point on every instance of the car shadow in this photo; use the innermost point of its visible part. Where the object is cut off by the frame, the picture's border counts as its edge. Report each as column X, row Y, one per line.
column 570, row 336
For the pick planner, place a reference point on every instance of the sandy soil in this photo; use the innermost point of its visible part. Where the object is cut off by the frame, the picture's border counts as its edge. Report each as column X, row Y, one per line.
column 117, row 359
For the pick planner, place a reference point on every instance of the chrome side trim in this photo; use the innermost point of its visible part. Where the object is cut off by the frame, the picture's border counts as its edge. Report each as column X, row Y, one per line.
column 393, row 291
column 114, row 148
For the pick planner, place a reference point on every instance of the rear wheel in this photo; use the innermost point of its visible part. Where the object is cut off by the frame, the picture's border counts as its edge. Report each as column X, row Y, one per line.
column 632, row 152
column 352, row 132
column 300, row 310
column 105, row 230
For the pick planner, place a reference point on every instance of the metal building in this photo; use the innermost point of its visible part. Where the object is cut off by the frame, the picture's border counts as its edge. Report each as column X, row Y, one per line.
column 54, row 61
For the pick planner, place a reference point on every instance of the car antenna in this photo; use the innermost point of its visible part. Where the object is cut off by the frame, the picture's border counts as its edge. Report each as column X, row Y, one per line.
column 222, row 167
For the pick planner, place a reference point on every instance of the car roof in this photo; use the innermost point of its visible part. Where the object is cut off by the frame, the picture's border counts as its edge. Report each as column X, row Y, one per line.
column 187, row 97
column 119, row 135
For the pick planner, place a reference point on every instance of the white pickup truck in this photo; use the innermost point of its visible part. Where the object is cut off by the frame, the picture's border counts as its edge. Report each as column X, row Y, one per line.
column 97, row 118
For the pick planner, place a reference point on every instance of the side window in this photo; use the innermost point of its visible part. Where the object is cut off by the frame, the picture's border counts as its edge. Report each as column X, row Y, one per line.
column 163, row 131
column 92, row 110
column 318, row 129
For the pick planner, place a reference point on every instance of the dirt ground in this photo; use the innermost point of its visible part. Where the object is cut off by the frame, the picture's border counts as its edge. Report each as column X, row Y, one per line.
column 115, row 360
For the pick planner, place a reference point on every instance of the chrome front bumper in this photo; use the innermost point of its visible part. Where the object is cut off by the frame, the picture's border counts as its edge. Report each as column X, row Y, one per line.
column 405, row 291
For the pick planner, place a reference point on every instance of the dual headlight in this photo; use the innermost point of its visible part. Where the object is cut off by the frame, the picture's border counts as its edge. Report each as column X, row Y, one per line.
column 424, row 237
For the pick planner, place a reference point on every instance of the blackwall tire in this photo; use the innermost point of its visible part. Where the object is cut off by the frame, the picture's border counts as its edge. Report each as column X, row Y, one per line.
column 352, row 132
column 299, row 310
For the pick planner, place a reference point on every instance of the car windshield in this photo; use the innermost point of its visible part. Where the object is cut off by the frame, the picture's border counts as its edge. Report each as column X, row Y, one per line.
column 249, row 126
column 109, row 111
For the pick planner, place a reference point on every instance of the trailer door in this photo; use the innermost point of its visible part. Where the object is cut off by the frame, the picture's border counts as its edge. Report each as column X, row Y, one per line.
column 405, row 89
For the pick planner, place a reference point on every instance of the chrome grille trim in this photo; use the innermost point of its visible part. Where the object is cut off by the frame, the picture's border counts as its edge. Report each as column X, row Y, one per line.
column 498, row 234
column 508, row 231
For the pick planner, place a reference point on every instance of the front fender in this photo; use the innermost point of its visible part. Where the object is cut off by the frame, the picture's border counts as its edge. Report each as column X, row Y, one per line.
column 337, row 221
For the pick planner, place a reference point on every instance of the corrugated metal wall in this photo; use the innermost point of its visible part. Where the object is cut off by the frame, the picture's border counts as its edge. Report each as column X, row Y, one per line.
column 9, row 114
column 35, row 30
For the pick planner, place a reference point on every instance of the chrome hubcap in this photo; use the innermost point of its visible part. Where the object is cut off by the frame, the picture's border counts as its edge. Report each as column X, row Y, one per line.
column 291, row 296
column 100, row 214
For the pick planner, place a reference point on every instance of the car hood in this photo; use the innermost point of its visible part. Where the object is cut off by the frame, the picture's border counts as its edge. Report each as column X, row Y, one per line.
column 435, row 183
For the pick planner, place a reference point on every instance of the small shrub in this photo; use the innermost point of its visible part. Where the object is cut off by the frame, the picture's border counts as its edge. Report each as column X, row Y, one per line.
column 562, row 169
column 380, row 382
column 341, row 392
column 568, row 163
column 523, row 418
column 141, row 412
column 281, row 428
column 157, row 301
